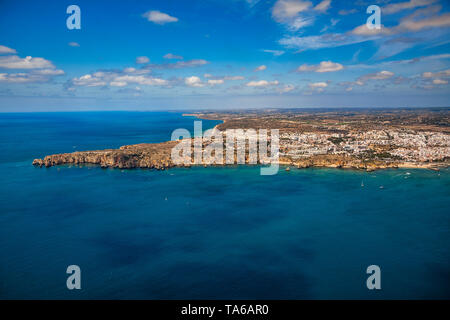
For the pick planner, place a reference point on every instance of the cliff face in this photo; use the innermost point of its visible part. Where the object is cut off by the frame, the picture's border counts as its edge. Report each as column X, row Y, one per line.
column 154, row 156
column 158, row 156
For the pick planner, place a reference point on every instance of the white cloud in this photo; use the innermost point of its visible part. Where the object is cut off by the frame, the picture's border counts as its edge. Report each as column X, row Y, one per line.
column 88, row 81
column 251, row 3
column 318, row 85
column 142, row 60
column 287, row 88
column 172, row 56
column 276, row 53
column 323, row 6
column 159, row 17
column 322, row 41
column 180, row 64
column 142, row 80
column 361, row 81
column 382, row 75
column 420, row 19
column 297, row 14
column 363, row 30
column 262, row 83
column 33, row 76
column 324, row 66
column 411, row 4
column 193, row 82
column 6, row 50
column 260, row 68
column 347, row 12
column 439, row 81
column 118, row 83
column 333, row 23
column 284, row 9
column 131, row 75
column 300, row 22
column 210, row 76
column 39, row 69
column 49, row 72
column 214, row 82
column 291, row 13
column 15, row 62
column 234, row 78
column 15, row 77
column 436, row 78
column 431, row 22
column 131, row 70
column 413, row 60
column 444, row 73
column 190, row 63
column 74, row 44
column 117, row 79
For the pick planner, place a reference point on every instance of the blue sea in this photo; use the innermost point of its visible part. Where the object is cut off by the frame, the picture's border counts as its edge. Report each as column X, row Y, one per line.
column 207, row 233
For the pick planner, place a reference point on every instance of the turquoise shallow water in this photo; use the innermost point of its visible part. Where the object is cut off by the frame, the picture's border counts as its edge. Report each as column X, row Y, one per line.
column 208, row 232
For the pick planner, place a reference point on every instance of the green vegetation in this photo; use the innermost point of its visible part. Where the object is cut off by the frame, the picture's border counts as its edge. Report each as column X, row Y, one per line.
column 335, row 140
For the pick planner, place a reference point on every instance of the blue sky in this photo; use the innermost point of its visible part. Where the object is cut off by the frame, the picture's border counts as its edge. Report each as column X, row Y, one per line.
column 148, row 55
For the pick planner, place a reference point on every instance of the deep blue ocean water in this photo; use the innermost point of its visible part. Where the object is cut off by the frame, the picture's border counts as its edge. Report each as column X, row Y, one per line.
column 208, row 232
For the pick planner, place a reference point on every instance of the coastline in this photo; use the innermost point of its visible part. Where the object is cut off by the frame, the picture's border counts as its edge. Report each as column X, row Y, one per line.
column 158, row 155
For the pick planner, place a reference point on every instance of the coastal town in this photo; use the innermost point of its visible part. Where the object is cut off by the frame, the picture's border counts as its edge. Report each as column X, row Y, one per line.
column 361, row 138
column 388, row 144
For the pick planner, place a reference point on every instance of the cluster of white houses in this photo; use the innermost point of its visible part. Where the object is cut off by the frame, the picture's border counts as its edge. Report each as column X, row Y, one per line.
column 405, row 144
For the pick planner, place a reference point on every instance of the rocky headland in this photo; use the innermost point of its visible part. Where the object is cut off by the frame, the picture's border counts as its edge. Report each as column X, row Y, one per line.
column 145, row 155
column 366, row 140
column 158, row 156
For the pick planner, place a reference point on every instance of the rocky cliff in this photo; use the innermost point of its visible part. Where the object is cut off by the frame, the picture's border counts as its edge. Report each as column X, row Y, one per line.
column 158, row 156
column 146, row 155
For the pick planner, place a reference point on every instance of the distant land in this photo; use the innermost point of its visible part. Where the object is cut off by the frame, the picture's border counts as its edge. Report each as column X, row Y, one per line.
column 366, row 139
